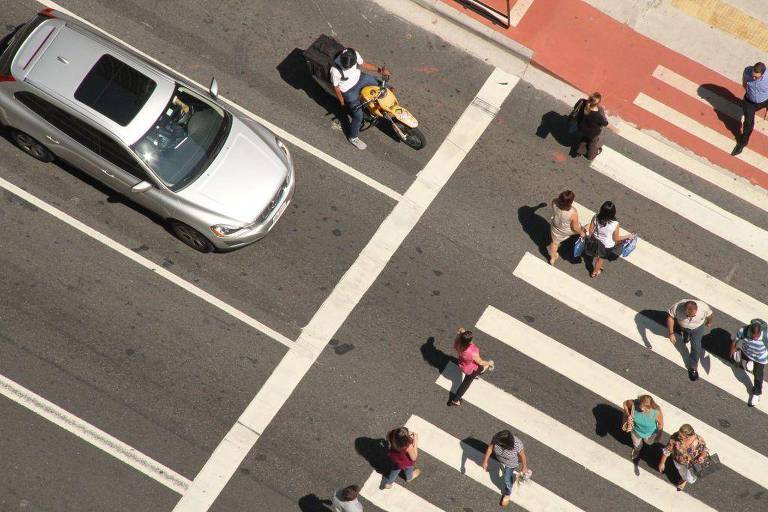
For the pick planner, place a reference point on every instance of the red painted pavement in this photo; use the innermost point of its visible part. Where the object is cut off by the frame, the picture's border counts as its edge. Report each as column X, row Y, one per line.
column 593, row 52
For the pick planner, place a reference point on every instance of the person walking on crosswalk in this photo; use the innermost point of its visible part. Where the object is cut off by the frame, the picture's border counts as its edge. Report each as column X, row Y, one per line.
column 755, row 97
column 690, row 318
column 749, row 349
column 508, row 449
column 403, row 452
column 685, row 447
column 591, row 120
column 644, row 422
column 564, row 223
column 345, row 500
column 603, row 236
column 470, row 363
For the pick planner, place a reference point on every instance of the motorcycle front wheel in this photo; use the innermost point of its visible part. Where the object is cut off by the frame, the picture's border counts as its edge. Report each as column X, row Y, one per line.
column 414, row 138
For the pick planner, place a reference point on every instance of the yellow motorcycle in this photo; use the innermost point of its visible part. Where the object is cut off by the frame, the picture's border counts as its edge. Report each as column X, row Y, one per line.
column 379, row 102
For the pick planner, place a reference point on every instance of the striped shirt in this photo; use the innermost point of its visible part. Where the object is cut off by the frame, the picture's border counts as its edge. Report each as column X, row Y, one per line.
column 508, row 457
column 754, row 349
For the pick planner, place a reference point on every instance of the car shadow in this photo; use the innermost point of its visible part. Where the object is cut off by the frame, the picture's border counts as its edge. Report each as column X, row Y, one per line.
column 709, row 92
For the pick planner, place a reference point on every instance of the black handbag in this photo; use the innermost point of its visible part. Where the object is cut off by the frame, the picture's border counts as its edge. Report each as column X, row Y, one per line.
column 711, row 464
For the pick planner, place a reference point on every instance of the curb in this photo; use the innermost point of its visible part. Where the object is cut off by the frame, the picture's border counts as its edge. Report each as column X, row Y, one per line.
column 437, row 6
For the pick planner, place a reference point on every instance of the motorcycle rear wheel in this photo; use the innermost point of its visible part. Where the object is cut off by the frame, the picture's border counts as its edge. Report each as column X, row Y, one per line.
column 414, row 138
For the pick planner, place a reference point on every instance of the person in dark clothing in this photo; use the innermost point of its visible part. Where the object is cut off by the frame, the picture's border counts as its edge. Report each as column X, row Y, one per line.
column 591, row 119
column 755, row 97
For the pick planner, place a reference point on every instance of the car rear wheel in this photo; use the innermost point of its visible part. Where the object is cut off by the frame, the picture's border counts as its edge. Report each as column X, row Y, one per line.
column 31, row 146
column 191, row 236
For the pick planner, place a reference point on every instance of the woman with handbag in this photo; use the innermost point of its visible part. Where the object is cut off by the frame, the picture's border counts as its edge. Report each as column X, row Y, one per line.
column 686, row 448
column 591, row 120
column 644, row 422
column 604, row 236
column 564, row 223
column 403, row 452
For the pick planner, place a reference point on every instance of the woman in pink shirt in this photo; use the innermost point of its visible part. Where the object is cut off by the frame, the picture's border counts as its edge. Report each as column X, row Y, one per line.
column 470, row 363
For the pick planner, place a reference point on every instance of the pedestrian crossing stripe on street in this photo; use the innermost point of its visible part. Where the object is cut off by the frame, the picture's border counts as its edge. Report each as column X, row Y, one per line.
column 615, row 388
column 681, row 201
column 599, row 460
column 628, row 323
column 467, row 460
column 396, row 499
column 695, row 282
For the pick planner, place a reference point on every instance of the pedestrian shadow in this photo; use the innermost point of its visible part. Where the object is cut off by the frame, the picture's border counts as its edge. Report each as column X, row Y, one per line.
column 556, row 124
column 438, row 359
column 716, row 95
column 473, row 451
column 293, row 70
column 311, row 503
column 608, row 420
column 535, row 226
column 374, row 451
column 651, row 320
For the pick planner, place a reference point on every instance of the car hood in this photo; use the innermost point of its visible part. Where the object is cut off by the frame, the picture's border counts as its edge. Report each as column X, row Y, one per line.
column 242, row 179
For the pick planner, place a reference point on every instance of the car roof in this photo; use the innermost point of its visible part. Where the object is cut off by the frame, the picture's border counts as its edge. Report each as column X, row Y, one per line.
column 58, row 56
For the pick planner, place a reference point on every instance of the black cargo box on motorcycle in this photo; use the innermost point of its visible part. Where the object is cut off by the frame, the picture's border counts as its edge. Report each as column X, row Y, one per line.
column 319, row 57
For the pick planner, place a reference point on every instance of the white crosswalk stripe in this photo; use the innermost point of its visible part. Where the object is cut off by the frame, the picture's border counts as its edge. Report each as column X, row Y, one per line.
column 396, row 499
column 467, row 460
column 571, row 444
column 628, row 323
column 685, row 276
column 615, row 388
column 683, row 202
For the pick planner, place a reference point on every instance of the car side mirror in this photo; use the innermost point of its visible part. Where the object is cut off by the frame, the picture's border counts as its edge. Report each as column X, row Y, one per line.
column 213, row 90
column 141, row 186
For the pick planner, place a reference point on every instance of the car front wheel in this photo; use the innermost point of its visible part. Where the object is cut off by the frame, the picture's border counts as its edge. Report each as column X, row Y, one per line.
column 191, row 236
column 31, row 146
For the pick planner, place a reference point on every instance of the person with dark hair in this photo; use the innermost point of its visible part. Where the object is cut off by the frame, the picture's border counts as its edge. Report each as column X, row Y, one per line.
column 749, row 349
column 755, row 98
column 690, row 317
column 403, row 452
column 348, row 80
column 345, row 500
column 604, row 236
column 470, row 363
column 508, row 449
column 564, row 223
column 591, row 119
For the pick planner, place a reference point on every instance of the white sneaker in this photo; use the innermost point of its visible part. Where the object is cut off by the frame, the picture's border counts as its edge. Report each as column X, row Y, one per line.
column 747, row 364
column 358, row 143
column 754, row 400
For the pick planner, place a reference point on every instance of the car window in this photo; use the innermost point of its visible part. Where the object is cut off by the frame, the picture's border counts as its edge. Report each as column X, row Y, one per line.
column 79, row 130
column 115, row 89
column 121, row 157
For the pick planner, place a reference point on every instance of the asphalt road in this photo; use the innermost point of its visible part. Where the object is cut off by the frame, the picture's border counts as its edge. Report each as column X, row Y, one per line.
column 168, row 374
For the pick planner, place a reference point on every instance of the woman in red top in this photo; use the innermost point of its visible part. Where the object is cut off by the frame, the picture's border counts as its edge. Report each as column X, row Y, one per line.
column 403, row 452
column 470, row 363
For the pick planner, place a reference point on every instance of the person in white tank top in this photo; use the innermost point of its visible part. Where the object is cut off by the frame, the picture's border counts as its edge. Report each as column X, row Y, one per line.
column 605, row 234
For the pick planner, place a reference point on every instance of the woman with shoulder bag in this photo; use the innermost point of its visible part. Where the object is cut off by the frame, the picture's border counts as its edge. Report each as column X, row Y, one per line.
column 686, row 448
column 591, row 120
column 603, row 236
column 643, row 421
column 564, row 223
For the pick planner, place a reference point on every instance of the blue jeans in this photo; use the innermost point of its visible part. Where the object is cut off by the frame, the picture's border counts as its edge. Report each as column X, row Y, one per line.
column 509, row 480
column 352, row 100
column 392, row 476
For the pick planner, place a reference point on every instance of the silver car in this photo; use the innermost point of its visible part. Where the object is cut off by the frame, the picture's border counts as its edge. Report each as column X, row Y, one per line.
column 219, row 179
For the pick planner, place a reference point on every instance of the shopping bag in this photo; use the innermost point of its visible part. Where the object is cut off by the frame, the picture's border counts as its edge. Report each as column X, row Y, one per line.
column 578, row 247
column 629, row 245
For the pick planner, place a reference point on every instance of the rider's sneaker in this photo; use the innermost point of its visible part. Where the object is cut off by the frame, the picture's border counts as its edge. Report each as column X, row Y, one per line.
column 358, row 143
column 754, row 400
column 747, row 364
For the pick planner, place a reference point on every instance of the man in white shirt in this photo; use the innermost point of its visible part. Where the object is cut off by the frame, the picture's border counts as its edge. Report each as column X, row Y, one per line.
column 690, row 317
column 348, row 80
column 345, row 500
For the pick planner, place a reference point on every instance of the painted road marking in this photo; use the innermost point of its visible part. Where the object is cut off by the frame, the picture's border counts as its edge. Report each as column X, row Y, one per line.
column 695, row 282
column 334, row 162
column 683, row 202
column 604, row 463
column 727, row 18
column 726, row 180
column 144, row 262
column 93, row 435
column 627, row 322
column 697, row 129
column 518, row 10
column 346, row 294
column 468, row 461
column 396, row 499
column 694, row 90
column 615, row 388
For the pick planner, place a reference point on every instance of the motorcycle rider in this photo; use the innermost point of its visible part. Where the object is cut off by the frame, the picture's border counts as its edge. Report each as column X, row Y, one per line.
column 348, row 80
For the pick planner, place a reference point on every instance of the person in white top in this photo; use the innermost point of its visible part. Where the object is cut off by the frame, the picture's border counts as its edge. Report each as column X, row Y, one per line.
column 348, row 80
column 690, row 317
column 345, row 500
column 603, row 236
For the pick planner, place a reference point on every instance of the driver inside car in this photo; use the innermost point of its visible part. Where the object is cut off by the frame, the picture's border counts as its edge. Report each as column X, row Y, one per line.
column 348, row 80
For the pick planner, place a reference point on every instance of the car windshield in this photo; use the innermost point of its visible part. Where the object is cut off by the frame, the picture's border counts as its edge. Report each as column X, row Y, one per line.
column 184, row 139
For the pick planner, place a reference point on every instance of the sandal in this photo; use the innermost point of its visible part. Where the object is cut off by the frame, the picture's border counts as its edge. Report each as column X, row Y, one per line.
column 453, row 403
column 596, row 273
column 681, row 485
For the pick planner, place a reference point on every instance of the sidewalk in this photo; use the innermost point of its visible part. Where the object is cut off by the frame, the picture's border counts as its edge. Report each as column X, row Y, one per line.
column 644, row 80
